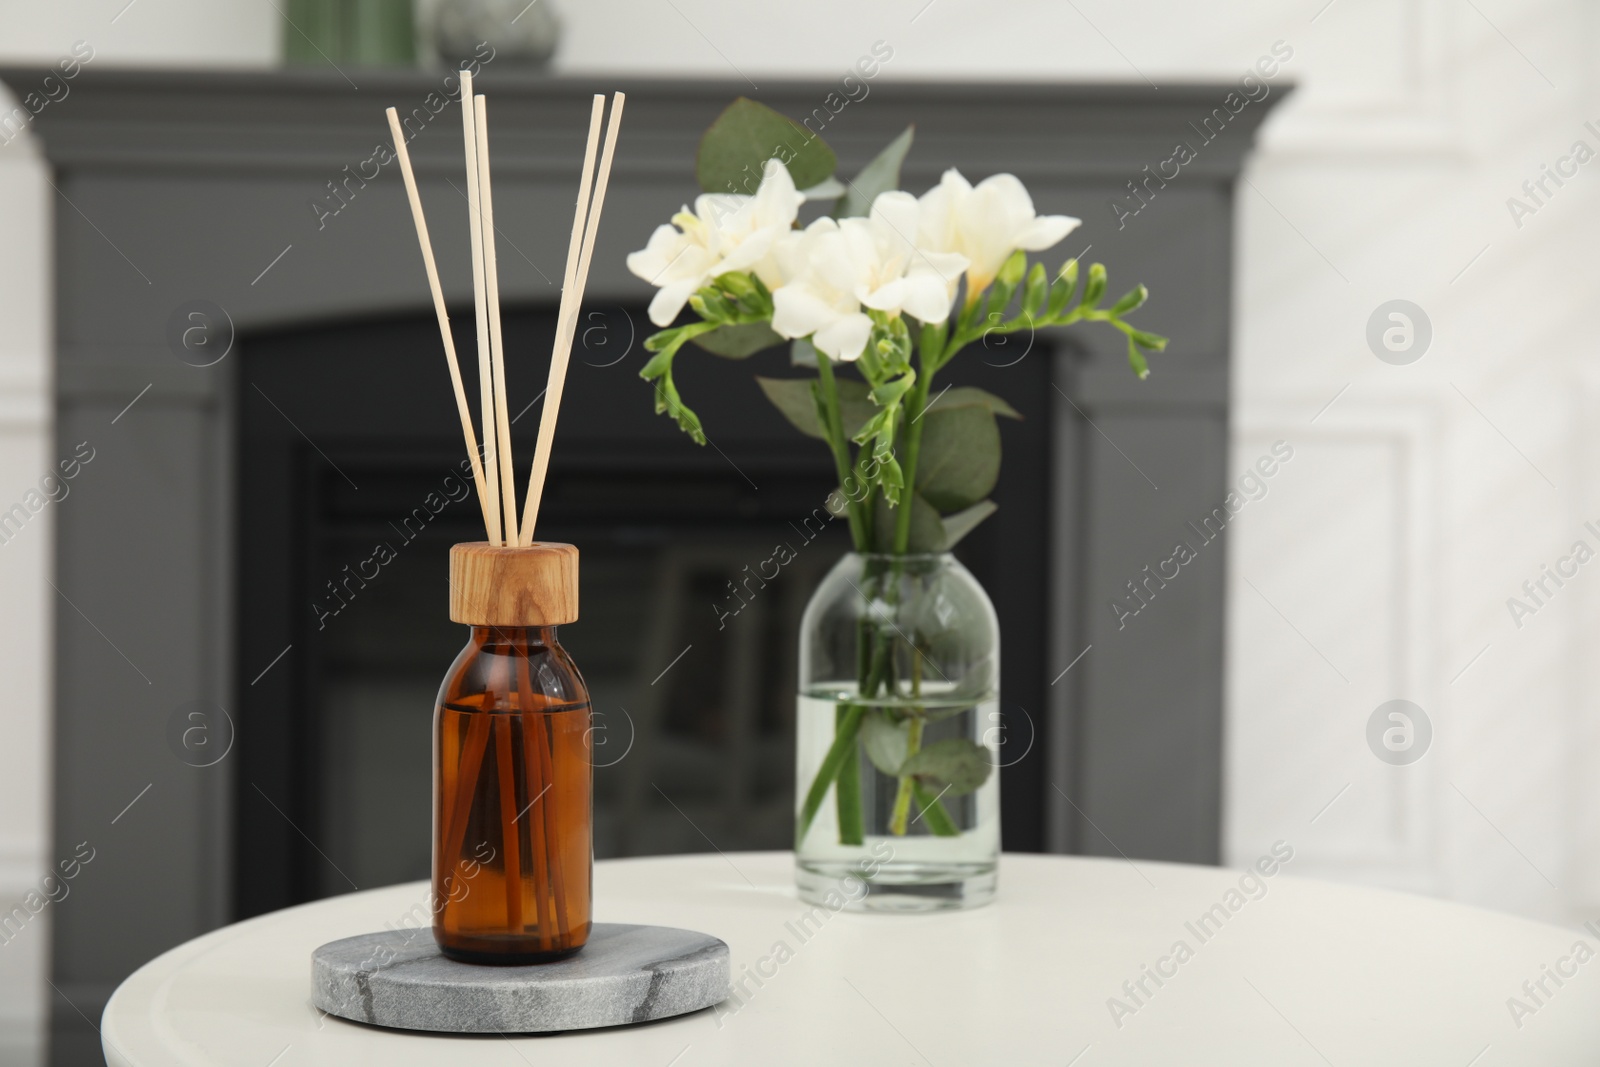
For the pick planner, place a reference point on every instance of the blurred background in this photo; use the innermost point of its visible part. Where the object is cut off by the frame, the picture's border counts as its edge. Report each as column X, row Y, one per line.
column 1376, row 284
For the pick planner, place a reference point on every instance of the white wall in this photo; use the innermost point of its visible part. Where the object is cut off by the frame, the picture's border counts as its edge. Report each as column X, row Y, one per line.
column 1380, row 562
column 150, row 32
column 1426, row 494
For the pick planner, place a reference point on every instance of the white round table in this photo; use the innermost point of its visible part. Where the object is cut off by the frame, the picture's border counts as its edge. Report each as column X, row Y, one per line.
column 1076, row 963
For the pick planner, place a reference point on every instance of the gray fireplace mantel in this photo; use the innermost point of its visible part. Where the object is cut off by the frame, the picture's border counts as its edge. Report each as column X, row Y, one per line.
column 174, row 187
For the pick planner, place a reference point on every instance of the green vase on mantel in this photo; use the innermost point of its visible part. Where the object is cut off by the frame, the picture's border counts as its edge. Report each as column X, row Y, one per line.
column 372, row 33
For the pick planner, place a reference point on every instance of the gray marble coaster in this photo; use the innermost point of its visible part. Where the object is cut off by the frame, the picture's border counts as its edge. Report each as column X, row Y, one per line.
column 625, row 974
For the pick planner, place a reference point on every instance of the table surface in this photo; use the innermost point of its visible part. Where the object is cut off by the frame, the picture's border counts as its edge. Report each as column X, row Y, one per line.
column 1286, row 972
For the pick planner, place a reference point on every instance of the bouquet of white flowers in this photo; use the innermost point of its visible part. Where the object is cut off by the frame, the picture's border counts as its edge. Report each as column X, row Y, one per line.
column 895, row 284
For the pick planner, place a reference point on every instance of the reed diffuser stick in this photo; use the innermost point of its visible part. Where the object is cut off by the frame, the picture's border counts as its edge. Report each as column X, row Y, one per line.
column 491, row 271
column 509, row 838
column 462, row 407
column 544, row 815
column 543, row 820
column 543, row 746
column 472, row 751
column 481, row 307
column 558, row 361
column 566, row 327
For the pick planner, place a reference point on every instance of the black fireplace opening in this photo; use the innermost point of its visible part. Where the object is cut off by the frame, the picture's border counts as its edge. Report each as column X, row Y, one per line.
column 352, row 487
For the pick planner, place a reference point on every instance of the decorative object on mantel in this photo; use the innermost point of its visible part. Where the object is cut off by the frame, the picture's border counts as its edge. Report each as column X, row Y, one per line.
column 519, row 32
column 626, row 974
column 365, row 32
column 898, row 705
column 513, row 776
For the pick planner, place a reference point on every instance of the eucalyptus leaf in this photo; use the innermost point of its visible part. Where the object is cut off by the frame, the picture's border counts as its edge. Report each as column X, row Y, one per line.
column 802, row 353
column 885, row 741
column 736, row 147
column 953, row 767
column 939, row 713
column 793, row 397
column 960, row 459
column 968, row 395
column 927, row 532
column 738, row 341
column 879, row 176
column 829, row 189
column 963, row 522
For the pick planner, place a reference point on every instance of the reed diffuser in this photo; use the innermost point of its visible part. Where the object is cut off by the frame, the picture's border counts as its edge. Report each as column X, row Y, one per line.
column 513, row 778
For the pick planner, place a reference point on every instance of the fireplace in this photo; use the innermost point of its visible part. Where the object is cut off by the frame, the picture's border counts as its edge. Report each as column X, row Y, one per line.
column 203, row 539
column 352, row 492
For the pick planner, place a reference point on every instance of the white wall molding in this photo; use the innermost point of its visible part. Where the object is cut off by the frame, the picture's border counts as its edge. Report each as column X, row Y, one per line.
column 22, row 864
column 24, row 396
column 1582, row 795
column 1357, row 496
column 1413, row 115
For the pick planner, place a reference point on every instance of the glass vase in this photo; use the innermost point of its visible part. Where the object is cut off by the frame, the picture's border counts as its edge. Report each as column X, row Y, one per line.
column 897, row 761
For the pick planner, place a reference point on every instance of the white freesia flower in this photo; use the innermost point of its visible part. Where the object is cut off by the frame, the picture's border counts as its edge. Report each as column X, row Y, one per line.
column 986, row 223
column 726, row 232
column 843, row 267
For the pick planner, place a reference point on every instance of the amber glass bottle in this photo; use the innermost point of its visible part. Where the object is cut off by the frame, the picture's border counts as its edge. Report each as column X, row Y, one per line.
column 513, row 775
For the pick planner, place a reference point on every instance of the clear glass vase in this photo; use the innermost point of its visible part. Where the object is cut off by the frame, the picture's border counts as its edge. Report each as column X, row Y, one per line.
column 897, row 762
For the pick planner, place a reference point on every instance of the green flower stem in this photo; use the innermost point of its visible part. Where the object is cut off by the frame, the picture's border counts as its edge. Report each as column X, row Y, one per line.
column 846, row 729
column 902, row 541
column 935, row 348
column 868, row 502
column 847, row 798
column 913, row 445
column 939, row 821
column 902, row 796
column 841, row 451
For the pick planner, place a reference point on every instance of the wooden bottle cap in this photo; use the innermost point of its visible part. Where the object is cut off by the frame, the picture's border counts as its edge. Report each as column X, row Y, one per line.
column 495, row 586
